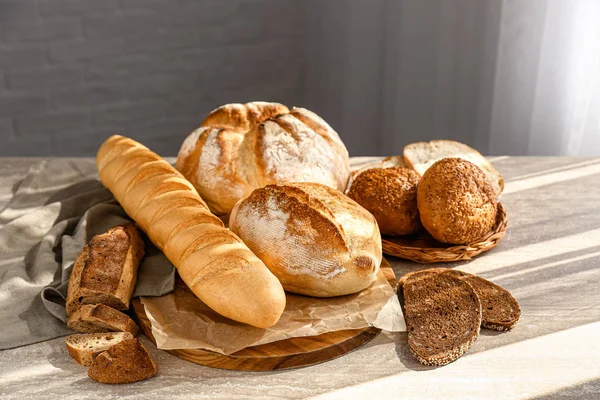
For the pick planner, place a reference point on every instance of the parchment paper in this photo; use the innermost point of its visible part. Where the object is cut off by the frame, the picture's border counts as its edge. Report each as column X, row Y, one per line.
column 181, row 321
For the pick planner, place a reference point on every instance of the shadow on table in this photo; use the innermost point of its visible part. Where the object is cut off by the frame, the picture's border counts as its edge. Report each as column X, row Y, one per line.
column 586, row 390
column 60, row 358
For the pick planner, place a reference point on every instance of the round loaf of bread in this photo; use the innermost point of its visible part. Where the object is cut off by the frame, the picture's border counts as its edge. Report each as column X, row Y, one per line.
column 241, row 147
column 390, row 194
column 316, row 240
column 457, row 202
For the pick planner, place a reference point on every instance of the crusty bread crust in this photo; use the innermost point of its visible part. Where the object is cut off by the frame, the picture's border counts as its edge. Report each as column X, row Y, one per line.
column 421, row 155
column 223, row 273
column 390, row 194
column 457, row 203
column 105, row 271
column 85, row 346
column 125, row 362
column 101, row 318
column 241, row 147
column 317, row 241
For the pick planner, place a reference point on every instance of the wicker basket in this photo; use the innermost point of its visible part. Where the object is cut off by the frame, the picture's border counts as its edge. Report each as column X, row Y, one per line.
column 424, row 249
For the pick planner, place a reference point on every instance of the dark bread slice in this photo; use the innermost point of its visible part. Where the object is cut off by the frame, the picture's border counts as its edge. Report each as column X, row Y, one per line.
column 500, row 310
column 443, row 316
column 101, row 318
column 125, row 362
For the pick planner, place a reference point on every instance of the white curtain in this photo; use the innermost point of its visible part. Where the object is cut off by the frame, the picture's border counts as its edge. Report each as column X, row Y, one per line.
column 505, row 76
column 547, row 81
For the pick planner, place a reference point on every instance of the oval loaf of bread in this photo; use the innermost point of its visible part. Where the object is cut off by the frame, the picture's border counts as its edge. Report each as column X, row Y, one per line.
column 211, row 260
column 316, row 240
column 241, row 147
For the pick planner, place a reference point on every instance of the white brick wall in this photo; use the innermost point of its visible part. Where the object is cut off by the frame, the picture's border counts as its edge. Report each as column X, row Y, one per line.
column 73, row 72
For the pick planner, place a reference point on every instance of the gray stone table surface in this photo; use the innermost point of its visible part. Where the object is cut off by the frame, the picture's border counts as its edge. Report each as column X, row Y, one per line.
column 549, row 260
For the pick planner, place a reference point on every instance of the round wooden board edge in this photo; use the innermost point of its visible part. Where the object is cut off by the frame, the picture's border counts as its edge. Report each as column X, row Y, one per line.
column 350, row 340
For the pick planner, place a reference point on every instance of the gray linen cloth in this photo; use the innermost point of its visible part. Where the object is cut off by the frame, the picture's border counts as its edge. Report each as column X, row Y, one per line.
column 57, row 208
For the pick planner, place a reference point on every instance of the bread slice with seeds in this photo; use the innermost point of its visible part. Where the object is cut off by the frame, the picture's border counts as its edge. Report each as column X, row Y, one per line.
column 422, row 155
column 443, row 316
column 101, row 318
column 500, row 310
column 125, row 362
column 84, row 347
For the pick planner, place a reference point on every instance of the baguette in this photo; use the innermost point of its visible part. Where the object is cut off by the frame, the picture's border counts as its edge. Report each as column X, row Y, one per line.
column 214, row 263
column 105, row 271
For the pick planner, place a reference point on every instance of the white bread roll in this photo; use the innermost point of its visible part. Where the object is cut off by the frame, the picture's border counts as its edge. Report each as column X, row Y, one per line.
column 316, row 240
column 213, row 262
column 241, row 147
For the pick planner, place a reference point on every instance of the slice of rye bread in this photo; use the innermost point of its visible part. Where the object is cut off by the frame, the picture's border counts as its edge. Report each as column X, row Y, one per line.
column 101, row 318
column 85, row 346
column 443, row 316
column 125, row 362
column 422, row 155
column 500, row 310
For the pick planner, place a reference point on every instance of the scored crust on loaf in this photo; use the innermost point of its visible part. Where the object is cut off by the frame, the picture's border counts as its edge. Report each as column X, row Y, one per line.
column 456, row 201
column 101, row 318
column 241, row 147
column 125, row 362
column 243, row 116
column 317, row 241
column 83, row 347
column 443, row 316
column 390, row 194
column 105, row 271
column 422, row 155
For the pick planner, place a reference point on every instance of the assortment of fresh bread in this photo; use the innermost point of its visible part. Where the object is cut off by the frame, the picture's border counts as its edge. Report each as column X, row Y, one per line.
column 446, row 187
column 279, row 176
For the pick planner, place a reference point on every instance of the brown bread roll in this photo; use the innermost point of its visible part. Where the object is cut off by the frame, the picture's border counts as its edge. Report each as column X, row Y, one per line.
column 390, row 194
column 456, row 201
column 316, row 240
column 214, row 263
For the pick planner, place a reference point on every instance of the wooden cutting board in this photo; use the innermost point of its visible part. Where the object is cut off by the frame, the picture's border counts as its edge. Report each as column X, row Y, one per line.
column 284, row 354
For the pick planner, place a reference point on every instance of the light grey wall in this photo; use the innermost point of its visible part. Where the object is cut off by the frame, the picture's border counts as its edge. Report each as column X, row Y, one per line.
column 387, row 73
column 382, row 72
column 73, row 72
